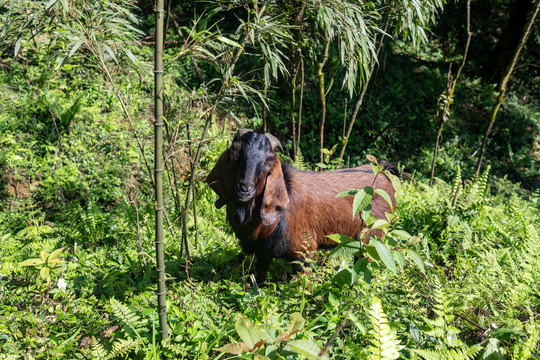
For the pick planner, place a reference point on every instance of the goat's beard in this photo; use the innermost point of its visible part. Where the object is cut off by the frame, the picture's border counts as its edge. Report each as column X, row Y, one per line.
column 244, row 211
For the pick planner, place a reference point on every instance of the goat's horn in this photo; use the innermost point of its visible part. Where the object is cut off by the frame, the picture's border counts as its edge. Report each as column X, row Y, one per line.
column 274, row 141
column 241, row 132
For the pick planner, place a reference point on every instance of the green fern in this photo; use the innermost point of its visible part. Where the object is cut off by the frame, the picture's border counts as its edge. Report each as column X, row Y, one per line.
column 385, row 344
column 449, row 346
column 299, row 162
column 98, row 351
column 131, row 322
column 525, row 350
column 123, row 347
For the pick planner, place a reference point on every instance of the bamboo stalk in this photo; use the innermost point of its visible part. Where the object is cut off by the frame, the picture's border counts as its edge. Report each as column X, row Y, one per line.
column 158, row 172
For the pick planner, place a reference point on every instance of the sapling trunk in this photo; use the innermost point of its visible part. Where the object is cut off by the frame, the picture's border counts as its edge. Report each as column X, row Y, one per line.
column 158, row 172
column 322, row 94
column 502, row 85
column 300, row 103
column 450, row 93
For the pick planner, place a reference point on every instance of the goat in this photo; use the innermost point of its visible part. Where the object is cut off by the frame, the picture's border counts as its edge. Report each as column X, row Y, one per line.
column 278, row 211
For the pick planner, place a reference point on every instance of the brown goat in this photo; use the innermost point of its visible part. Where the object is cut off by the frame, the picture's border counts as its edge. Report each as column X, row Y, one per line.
column 277, row 211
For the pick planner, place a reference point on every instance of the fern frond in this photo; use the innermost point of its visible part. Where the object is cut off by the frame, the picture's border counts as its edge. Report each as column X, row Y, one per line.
column 465, row 353
column 385, row 344
column 123, row 347
column 299, row 162
column 98, row 351
column 128, row 318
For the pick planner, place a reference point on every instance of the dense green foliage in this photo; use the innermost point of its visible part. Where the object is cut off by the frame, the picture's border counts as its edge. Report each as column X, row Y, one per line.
column 77, row 261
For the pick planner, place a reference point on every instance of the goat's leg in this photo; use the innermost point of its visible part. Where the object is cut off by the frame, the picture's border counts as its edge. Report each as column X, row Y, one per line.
column 263, row 264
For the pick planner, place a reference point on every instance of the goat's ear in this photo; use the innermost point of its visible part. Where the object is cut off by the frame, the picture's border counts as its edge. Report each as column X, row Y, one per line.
column 275, row 199
column 220, row 179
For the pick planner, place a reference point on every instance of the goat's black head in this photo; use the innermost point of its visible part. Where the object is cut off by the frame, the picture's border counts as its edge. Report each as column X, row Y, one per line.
column 252, row 158
column 246, row 170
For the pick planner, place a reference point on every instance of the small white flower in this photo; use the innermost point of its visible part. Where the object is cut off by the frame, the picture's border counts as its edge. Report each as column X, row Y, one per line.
column 62, row 284
column 344, row 264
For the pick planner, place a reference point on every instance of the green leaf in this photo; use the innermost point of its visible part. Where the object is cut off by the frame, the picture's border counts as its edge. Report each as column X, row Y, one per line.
column 235, row 349
column 349, row 247
column 333, row 301
column 348, row 193
column 372, row 252
column 400, row 234
column 228, row 41
column 361, row 268
column 50, row 4
column 414, row 332
column 385, row 255
column 366, row 214
column 357, row 323
column 31, row 262
column 362, row 199
column 413, row 240
column 249, row 333
column 340, row 238
column 386, row 197
column 44, row 272
column 55, row 254
column 17, row 46
column 307, row 348
column 380, row 224
column 492, row 350
column 75, row 47
column 296, row 323
column 343, row 277
column 417, row 260
column 400, row 259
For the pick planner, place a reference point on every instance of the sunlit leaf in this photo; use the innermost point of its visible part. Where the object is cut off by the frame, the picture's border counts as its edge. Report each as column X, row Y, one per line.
column 417, row 260
column 385, row 255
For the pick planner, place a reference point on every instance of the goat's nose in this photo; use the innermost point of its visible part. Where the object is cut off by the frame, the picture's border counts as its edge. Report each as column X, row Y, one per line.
column 245, row 186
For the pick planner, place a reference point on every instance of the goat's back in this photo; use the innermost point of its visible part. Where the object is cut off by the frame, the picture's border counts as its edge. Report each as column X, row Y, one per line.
column 315, row 211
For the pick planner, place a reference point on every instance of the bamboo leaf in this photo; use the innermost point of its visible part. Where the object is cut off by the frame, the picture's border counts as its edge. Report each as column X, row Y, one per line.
column 50, row 4
column 17, row 46
column 75, row 47
column 228, row 41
